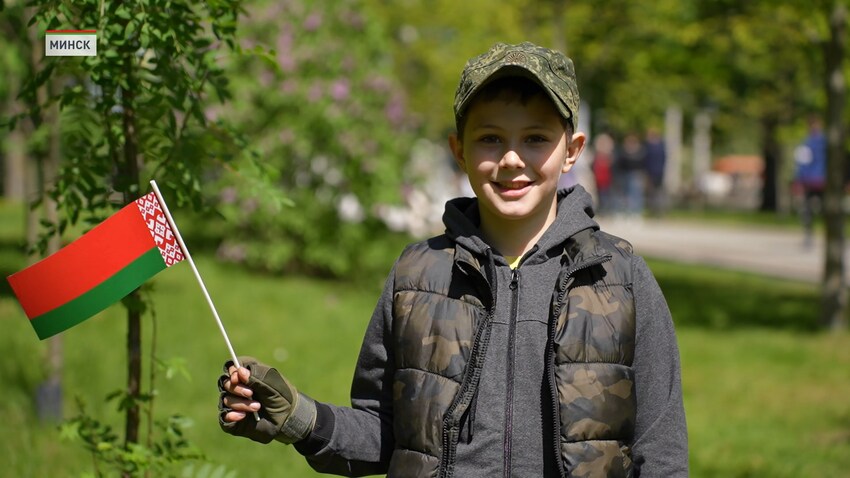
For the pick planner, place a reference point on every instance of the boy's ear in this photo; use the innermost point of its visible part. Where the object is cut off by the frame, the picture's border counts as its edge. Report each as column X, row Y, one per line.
column 574, row 149
column 456, row 145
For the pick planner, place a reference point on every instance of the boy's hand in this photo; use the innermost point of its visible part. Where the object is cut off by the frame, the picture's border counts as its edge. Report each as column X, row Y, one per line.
column 236, row 396
column 285, row 414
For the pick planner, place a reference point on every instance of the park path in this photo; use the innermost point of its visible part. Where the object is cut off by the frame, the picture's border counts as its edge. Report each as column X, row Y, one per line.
column 761, row 249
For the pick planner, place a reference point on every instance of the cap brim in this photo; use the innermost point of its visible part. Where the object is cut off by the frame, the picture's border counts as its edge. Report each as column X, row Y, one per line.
column 517, row 70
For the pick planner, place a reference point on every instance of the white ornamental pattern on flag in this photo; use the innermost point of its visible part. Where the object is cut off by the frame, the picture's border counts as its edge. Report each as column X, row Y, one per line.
column 157, row 224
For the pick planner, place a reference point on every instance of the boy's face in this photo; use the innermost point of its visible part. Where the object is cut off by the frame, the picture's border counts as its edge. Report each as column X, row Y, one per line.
column 514, row 154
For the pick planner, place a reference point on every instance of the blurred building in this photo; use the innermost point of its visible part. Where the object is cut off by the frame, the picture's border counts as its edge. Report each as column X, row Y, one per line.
column 734, row 181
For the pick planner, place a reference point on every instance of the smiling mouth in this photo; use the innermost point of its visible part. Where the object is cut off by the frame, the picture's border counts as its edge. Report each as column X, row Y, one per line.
column 512, row 185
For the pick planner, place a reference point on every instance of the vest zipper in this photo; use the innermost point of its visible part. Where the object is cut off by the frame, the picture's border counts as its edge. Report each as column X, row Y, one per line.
column 451, row 427
column 550, row 351
column 509, row 402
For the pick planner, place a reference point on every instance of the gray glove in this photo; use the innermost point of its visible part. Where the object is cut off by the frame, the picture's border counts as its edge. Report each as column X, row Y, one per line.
column 286, row 415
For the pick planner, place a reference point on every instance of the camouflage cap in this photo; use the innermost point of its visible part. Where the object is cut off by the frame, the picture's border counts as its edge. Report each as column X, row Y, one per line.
column 550, row 68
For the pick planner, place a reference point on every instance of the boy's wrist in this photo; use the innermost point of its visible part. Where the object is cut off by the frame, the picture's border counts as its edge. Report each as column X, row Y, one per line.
column 299, row 425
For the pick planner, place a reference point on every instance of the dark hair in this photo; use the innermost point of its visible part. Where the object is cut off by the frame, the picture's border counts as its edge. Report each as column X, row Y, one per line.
column 509, row 88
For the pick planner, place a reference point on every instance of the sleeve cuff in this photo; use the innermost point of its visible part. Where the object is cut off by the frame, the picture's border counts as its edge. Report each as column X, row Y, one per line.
column 300, row 423
column 321, row 434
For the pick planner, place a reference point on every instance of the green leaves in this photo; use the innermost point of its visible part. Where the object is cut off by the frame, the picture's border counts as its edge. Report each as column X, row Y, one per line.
column 314, row 88
column 158, row 66
column 107, row 451
column 173, row 367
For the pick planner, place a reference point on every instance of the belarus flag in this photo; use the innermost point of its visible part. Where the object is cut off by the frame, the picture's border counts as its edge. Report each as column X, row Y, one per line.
column 98, row 269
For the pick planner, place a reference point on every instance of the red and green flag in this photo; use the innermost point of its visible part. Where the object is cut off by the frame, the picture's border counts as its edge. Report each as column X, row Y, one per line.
column 98, row 269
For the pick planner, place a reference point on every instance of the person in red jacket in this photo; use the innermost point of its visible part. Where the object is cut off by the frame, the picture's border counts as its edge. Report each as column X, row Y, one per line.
column 603, row 161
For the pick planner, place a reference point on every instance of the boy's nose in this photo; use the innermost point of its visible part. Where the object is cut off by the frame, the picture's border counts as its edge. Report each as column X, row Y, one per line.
column 511, row 159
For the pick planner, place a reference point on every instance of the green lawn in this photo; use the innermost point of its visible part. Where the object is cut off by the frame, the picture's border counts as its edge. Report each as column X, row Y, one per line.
column 790, row 220
column 767, row 403
column 765, row 395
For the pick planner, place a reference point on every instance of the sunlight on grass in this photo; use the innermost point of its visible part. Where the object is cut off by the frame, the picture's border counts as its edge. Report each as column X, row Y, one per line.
column 755, row 398
column 723, row 299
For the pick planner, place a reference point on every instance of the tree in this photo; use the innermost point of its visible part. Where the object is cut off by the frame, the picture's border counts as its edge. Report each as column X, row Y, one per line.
column 32, row 162
column 136, row 110
column 334, row 133
column 15, row 60
column 834, row 291
column 433, row 39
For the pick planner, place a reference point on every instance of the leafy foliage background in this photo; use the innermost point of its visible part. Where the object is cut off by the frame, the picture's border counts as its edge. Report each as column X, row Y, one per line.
column 331, row 128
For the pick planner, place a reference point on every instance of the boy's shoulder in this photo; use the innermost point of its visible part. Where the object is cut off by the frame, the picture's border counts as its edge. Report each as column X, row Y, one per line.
column 439, row 244
column 426, row 265
column 433, row 255
column 616, row 242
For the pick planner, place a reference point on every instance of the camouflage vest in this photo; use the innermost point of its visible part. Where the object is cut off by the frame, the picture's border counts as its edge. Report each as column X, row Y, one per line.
column 441, row 323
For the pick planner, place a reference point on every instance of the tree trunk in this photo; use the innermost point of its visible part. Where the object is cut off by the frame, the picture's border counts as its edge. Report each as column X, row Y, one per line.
column 673, row 144
column 50, row 391
column 833, row 313
column 771, row 151
column 128, row 182
column 37, row 184
column 134, row 369
column 14, row 160
column 14, row 166
column 701, row 160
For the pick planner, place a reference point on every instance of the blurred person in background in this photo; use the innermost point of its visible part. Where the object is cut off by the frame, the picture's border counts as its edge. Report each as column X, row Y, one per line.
column 601, row 165
column 630, row 172
column 810, row 176
column 656, row 160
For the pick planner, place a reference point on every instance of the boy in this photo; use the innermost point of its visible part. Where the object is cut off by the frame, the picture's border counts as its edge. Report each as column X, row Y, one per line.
column 522, row 342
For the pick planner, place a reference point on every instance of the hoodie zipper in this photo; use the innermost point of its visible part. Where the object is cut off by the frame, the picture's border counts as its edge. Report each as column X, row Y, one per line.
column 509, row 401
column 550, row 351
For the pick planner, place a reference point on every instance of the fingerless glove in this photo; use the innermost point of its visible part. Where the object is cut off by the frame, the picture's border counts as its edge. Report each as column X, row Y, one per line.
column 285, row 415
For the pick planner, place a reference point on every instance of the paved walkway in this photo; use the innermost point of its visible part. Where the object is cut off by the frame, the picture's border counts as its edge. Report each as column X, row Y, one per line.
column 765, row 250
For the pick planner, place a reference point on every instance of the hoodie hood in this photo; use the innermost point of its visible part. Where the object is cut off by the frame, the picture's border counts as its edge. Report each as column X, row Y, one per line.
column 575, row 213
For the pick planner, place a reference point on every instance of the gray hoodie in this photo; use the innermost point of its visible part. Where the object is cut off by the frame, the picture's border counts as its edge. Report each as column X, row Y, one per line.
column 508, row 431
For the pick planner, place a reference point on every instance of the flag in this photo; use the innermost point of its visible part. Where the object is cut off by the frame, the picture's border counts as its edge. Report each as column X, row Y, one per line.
column 98, row 269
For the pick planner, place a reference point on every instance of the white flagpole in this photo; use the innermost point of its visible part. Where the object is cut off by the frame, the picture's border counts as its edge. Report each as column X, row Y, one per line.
column 197, row 275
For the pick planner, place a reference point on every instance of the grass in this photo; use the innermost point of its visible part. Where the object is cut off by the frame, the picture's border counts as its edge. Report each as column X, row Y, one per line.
column 765, row 393
column 738, row 218
column 309, row 329
column 765, row 402
column 723, row 299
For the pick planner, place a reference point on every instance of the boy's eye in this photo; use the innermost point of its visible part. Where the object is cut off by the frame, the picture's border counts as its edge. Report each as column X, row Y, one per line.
column 536, row 138
column 489, row 138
